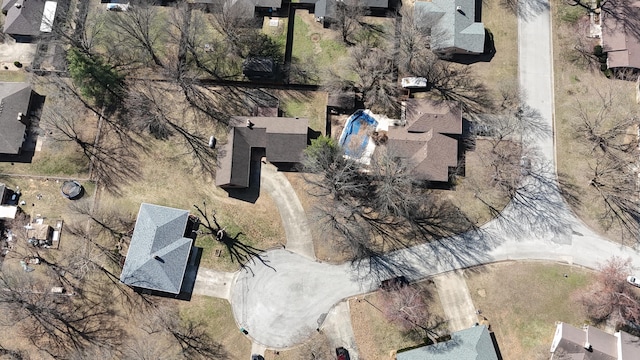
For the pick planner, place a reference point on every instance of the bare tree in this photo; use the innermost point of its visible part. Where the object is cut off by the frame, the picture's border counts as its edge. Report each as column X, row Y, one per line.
column 55, row 323
column 611, row 298
column 406, row 307
column 141, row 29
column 370, row 210
column 347, row 19
column 375, row 81
column 606, row 131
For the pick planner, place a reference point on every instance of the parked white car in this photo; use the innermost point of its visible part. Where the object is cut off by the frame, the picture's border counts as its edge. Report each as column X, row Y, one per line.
column 635, row 281
column 414, row 82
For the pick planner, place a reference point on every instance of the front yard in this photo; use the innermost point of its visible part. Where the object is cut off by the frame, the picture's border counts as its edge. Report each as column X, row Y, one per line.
column 523, row 301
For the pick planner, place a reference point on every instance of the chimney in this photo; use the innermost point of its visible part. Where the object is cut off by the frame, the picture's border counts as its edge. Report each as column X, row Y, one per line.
column 588, row 347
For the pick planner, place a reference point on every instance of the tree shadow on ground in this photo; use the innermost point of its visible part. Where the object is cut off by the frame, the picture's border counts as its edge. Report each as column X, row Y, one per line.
column 238, row 251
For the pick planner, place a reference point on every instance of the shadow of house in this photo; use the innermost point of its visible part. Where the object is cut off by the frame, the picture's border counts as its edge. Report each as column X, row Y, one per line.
column 473, row 343
column 591, row 343
column 259, row 68
column 161, row 259
column 428, row 138
column 27, row 19
column 454, row 26
column 621, row 35
column 15, row 101
column 241, row 8
column 282, row 140
column 325, row 10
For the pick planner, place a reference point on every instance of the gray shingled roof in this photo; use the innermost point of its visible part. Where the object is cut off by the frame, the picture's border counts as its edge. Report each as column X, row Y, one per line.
column 452, row 28
column 470, row 344
column 25, row 19
column 14, row 99
column 283, row 139
column 158, row 254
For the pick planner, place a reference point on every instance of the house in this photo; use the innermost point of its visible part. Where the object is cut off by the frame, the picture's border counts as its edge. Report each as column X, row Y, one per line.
column 325, row 10
column 282, row 139
column 242, row 8
column 590, row 343
column 26, row 19
column 15, row 99
column 455, row 25
column 475, row 343
column 427, row 138
column 621, row 33
column 160, row 250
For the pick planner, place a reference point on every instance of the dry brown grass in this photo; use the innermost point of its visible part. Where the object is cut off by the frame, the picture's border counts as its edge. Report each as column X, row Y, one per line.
column 572, row 84
column 220, row 324
column 503, row 67
column 523, row 300
column 376, row 338
column 474, row 193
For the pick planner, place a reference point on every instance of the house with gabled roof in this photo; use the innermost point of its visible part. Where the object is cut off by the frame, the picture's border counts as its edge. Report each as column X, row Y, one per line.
column 621, row 33
column 15, row 99
column 428, row 138
column 590, row 343
column 160, row 250
column 455, row 25
column 28, row 18
column 474, row 343
column 282, row 139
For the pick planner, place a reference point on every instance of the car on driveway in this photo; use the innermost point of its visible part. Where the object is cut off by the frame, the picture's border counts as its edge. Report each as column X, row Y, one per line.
column 342, row 354
column 633, row 280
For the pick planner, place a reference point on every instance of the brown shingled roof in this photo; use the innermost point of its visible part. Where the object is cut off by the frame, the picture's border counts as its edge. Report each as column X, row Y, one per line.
column 283, row 139
column 425, row 140
column 621, row 33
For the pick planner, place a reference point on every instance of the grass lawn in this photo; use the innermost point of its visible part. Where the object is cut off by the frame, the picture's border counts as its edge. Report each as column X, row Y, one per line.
column 220, row 324
column 577, row 86
column 14, row 76
column 502, row 70
column 307, row 104
column 523, row 301
column 376, row 338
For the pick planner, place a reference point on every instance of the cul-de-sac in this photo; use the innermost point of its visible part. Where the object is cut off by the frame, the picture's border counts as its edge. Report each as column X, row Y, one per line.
column 320, row 179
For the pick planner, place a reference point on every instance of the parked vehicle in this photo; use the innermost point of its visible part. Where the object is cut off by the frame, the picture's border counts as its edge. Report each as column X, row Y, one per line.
column 635, row 281
column 342, row 354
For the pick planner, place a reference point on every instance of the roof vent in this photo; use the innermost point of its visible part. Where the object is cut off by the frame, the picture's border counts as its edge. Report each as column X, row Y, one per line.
column 18, row 5
column 459, row 9
column 587, row 346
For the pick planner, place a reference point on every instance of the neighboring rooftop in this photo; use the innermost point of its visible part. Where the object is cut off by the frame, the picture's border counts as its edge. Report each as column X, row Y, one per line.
column 425, row 139
column 283, row 139
column 454, row 27
column 14, row 107
column 159, row 251
column 474, row 343
column 621, row 33
column 591, row 343
column 28, row 17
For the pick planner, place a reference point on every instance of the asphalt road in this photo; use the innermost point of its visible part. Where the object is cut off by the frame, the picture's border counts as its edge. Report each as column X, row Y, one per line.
column 283, row 302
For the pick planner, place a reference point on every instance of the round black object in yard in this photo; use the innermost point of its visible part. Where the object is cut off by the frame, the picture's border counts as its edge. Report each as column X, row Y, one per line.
column 72, row 190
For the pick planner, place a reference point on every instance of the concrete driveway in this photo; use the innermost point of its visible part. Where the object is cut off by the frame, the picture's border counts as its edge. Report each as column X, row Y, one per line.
column 293, row 216
column 283, row 301
column 11, row 51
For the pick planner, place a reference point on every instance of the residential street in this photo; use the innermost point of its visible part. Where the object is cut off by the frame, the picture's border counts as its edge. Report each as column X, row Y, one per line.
column 282, row 302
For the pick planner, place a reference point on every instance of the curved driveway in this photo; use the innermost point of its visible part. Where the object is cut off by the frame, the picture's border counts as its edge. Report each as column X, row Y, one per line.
column 281, row 305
